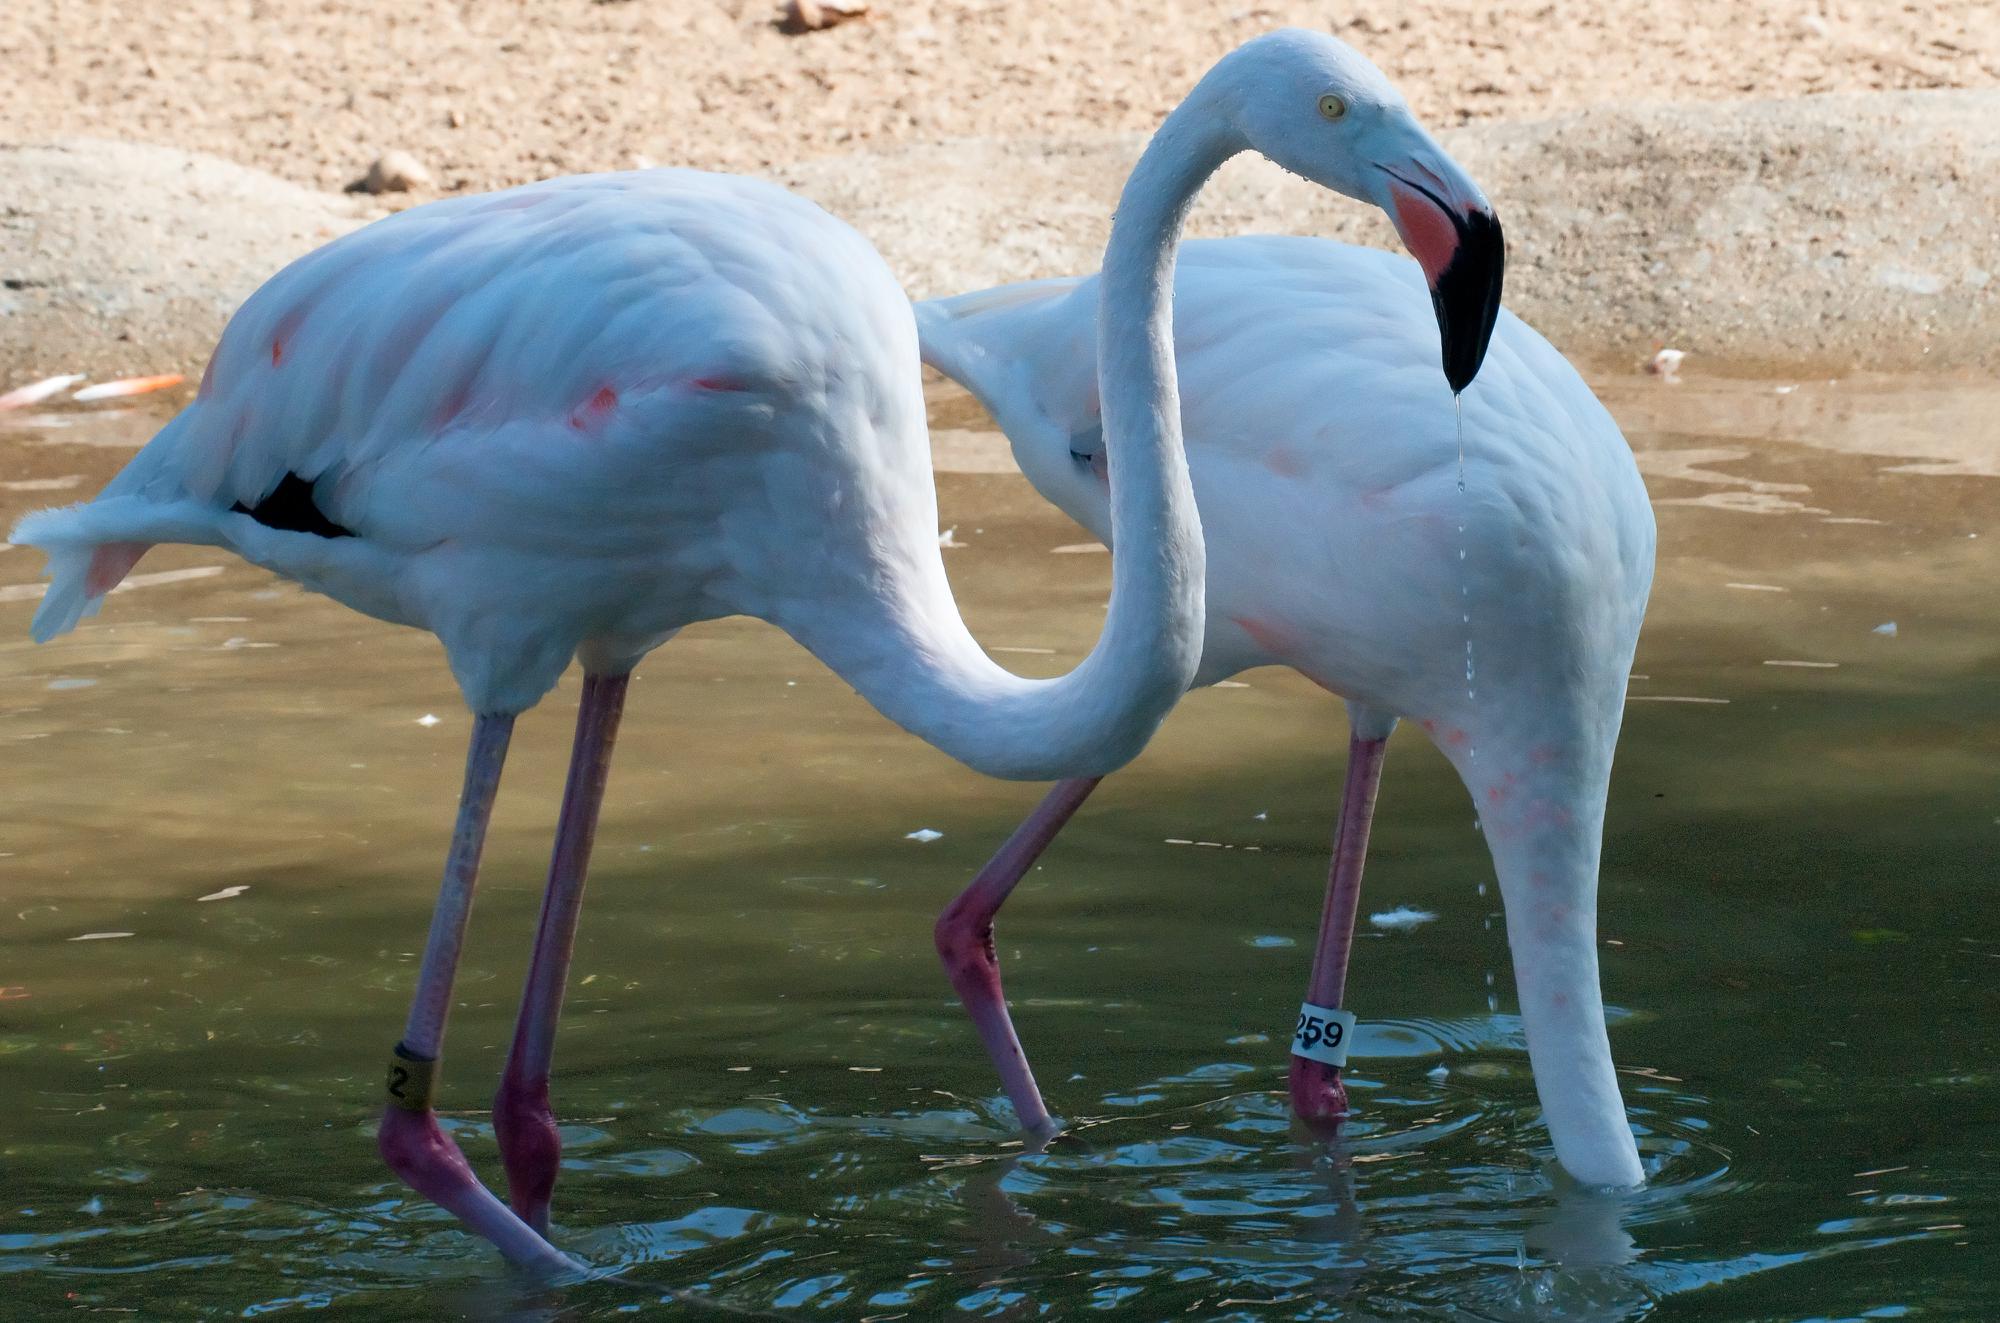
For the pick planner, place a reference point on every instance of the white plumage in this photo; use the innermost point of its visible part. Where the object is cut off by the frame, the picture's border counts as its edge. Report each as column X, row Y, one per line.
column 563, row 413
column 1325, row 454
column 571, row 418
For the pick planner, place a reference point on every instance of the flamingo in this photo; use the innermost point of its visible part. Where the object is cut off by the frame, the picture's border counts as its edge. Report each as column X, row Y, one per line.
column 1488, row 584
column 568, row 419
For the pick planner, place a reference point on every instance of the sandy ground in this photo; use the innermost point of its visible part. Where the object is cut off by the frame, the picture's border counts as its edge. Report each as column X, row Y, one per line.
column 1763, row 183
column 495, row 92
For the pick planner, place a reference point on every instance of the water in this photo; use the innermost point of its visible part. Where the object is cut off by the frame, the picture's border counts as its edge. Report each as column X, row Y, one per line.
column 1464, row 571
column 771, row 1098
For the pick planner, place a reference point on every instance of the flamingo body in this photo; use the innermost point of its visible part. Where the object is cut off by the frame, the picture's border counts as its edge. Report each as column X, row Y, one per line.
column 1326, row 460
column 1325, row 457
column 579, row 414
column 568, row 419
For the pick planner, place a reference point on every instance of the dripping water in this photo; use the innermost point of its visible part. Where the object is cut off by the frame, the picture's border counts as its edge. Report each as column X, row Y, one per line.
column 1464, row 580
column 1465, row 619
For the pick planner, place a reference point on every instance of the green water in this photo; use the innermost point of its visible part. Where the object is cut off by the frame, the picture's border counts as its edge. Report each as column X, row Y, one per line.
column 772, row 1101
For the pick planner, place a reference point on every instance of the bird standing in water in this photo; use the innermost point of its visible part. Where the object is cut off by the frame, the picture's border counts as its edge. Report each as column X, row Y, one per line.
column 567, row 420
column 1488, row 583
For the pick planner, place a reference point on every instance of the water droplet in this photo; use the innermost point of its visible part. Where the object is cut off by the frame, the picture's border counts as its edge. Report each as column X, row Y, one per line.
column 1464, row 582
column 1458, row 417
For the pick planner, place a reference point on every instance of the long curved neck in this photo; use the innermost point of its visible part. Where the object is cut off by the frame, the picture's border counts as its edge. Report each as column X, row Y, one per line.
column 915, row 660
column 1543, row 819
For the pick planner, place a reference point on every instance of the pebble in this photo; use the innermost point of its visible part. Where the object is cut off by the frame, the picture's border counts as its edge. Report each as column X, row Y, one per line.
column 395, row 172
column 813, row 15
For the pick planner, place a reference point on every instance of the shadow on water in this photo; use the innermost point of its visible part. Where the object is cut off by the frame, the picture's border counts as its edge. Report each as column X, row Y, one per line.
column 228, row 800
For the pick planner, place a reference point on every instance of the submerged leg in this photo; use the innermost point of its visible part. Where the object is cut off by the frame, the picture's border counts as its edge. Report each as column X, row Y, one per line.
column 1317, row 1093
column 523, row 1121
column 965, row 943
column 410, row 1139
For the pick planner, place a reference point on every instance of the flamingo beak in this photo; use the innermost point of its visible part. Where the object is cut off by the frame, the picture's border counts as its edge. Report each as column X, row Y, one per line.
column 1459, row 245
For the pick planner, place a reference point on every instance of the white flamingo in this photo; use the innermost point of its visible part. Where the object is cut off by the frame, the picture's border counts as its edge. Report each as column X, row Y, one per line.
column 1327, row 468
column 568, row 419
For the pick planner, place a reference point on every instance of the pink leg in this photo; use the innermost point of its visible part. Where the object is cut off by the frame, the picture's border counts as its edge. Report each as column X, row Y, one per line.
column 523, row 1121
column 410, row 1139
column 1317, row 1093
column 965, row 943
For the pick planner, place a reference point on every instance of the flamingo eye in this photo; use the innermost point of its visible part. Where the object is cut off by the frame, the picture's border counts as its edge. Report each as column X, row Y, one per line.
column 1332, row 106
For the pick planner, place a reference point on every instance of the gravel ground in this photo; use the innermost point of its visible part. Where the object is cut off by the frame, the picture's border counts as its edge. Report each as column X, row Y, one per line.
column 1817, row 233
column 980, row 142
column 501, row 91
column 1813, row 233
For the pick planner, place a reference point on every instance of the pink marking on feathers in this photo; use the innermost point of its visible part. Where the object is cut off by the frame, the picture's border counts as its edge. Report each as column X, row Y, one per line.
column 1454, row 736
column 720, row 384
column 288, row 326
column 1545, row 813
column 454, row 404
column 1272, row 638
column 1285, row 463
column 109, row 565
column 594, row 409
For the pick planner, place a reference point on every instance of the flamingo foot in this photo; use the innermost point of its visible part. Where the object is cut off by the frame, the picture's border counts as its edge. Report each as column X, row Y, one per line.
column 419, row 1151
column 1318, row 1097
column 530, row 1145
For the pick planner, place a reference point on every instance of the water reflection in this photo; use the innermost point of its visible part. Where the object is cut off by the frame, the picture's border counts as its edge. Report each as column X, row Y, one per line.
column 236, row 792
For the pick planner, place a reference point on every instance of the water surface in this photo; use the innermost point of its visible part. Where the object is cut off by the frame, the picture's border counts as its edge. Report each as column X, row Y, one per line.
column 227, row 801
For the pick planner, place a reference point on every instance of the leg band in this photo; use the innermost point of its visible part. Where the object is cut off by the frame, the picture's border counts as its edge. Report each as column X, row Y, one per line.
column 412, row 1080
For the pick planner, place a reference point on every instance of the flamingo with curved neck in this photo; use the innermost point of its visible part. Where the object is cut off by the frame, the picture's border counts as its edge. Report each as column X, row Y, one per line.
column 1500, row 615
column 569, row 419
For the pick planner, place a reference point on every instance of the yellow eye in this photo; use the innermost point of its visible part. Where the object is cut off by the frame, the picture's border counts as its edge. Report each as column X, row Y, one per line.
column 1332, row 106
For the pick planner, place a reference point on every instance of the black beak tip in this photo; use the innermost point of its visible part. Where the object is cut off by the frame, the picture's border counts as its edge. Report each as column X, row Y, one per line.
column 1466, row 296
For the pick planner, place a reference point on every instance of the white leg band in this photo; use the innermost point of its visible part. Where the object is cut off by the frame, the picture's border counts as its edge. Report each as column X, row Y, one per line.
column 1323, row 1034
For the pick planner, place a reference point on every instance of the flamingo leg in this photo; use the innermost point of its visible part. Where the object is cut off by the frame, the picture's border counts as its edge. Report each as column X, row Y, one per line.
column 523, row 1121
column 410, row 1139
column 964, row 936
column 1317, row 1093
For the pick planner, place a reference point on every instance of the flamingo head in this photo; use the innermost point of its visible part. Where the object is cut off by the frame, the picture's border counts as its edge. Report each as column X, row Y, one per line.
column 1316, row 106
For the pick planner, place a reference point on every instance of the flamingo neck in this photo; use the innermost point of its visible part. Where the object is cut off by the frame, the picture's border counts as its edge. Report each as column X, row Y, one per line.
column 915, row 660
column 1544, row 821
